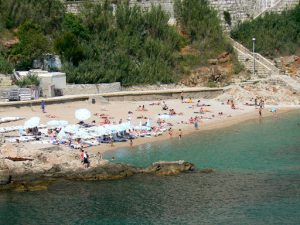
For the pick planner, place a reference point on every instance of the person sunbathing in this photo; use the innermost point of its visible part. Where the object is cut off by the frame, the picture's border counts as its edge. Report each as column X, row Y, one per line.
column 189, row 100
column 139, row 108
column 105, row 121
column 157, row 103
column 191, row 120
column 104, row 115
column 172, row 112
column 201, row 110
column 51, row 116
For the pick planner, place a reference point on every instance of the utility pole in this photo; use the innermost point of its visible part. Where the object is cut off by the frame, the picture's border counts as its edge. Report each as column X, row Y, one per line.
column 253, row 40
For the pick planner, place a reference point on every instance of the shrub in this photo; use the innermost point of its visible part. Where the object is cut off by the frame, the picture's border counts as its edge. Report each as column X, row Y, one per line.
column 5, row 66
column 28, row 81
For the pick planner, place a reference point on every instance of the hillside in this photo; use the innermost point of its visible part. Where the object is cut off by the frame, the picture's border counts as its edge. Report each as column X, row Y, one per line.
column 129, row 45
column 276, row 34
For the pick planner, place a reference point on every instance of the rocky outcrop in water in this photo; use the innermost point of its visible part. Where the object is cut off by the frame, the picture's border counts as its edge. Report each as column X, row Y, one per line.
column 36, row 174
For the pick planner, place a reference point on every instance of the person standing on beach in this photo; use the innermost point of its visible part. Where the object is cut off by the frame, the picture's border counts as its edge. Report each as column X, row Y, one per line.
column 196, row 125
column 180, row 134
column 260, row 112
column 81, row 155
column 181, row 96
column 43, row 106
column 170, row 132
column 111, row 140
column 131, row 142
column 99, row 156
column 86, row 161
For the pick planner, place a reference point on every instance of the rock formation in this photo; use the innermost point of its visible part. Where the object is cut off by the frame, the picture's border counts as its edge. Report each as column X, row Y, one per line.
column 55, row 163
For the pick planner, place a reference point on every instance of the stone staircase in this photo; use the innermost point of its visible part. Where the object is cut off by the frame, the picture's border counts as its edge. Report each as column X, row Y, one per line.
column 285, row 80
column 263, row 67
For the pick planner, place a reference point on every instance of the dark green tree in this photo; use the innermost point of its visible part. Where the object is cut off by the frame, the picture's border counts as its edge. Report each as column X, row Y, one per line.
column 68, row 46
column 33, row 44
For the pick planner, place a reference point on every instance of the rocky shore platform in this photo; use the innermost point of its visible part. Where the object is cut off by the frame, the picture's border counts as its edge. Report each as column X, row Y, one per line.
column 37, row 170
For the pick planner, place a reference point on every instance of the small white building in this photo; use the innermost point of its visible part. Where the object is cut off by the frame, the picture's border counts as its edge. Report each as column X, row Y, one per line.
column 49, row 81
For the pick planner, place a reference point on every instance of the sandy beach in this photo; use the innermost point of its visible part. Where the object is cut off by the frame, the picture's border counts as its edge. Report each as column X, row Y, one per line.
column 215, row 115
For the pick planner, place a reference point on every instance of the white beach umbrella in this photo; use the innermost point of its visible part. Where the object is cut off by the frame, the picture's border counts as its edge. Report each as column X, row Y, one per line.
column 82, row 134
column 71, row 129
column 63, row 123
column 82, row 114
column 53, row 123
column 124, row 126
column 112, row 128
column 62, row 135
column 100, row 130
column 148, row 123
column 164, row 116
column 32, row 122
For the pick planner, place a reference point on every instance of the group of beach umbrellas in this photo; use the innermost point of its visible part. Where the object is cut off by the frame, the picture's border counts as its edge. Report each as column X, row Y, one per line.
column 85, row 133
column 80, row 114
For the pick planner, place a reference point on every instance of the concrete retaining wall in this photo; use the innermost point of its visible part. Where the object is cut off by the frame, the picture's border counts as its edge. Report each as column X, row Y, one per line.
column 126, row 96
column 84, row 89
column 163, row 95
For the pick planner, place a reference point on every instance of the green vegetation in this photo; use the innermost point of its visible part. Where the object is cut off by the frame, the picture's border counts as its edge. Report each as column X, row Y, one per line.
column 29, row 80
column 46, row 13
column 276, row 34
column 131, row 46
column 5, row 66
column 98, row 45
column 203, row 29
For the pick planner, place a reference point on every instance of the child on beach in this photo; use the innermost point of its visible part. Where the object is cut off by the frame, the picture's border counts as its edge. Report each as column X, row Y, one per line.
column 180, row 134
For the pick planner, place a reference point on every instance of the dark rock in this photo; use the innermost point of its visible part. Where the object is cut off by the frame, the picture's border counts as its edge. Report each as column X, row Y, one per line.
column 5, row 177
column 207, row 170
column 37, row 179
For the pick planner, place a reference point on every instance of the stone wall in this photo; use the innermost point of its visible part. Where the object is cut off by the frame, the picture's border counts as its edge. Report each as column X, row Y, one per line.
column 81, row 89
column 239, row 10
column 166, row 5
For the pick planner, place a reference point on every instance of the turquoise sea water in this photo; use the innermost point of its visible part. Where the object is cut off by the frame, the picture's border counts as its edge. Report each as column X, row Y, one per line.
column 257, row 181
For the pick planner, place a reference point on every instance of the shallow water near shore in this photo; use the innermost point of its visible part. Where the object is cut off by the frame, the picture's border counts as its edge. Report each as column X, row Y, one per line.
column 257, row 181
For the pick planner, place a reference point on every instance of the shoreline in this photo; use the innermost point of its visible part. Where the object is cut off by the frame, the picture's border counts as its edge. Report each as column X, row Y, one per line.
column 188, row 130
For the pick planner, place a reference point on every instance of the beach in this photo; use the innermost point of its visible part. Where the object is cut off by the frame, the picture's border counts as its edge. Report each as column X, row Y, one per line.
column 215, row 114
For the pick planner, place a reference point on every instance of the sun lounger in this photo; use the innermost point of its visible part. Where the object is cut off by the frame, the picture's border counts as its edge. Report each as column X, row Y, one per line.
column 91, row 143
column 10, row 119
